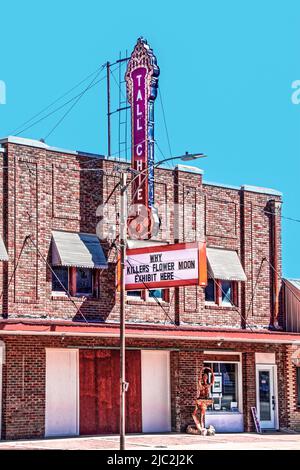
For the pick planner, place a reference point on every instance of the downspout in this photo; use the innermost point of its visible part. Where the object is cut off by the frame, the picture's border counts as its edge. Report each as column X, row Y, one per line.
column 275, row 213
column 2, row 361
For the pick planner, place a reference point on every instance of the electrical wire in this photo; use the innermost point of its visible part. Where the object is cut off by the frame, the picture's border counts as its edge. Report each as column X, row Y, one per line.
column 73, row 104
column 218, row 286
column 156, row 179
column 155, row 298
column 78, row 309
column 165, row 121
column 59, row 108
column 16, row 265
column 54, row 102
column 255, row 286
column 283, row 280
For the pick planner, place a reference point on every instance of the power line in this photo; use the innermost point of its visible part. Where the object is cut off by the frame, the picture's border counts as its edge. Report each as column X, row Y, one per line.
column 54, row 102
column 283, row 280
column 74, row 104
column 156, row 179
column 16, row 265
column 255, row 287
column 78, row 309
column 58, row 108
column 219, row 286
column 155, row 298
column 165, row 121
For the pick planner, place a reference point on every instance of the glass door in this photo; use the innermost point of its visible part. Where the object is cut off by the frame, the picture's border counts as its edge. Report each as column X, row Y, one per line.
column 265, row 393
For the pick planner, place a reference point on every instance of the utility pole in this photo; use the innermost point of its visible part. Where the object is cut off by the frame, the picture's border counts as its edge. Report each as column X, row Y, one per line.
column 123, row 246
column 108, row 107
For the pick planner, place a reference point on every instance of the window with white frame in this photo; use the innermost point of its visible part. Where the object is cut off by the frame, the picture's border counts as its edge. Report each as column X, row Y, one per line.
column 161, row 295
column 225, row 391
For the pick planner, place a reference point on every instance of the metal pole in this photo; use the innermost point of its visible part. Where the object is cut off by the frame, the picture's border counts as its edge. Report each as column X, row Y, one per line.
column 108, row 107
column 123, row 242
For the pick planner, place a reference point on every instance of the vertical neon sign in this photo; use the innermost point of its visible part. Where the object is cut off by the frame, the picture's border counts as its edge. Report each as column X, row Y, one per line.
column 142, row 83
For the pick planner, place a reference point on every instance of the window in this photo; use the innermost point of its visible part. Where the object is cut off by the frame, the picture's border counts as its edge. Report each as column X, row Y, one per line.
column 156, row 294
column 84, row 281
column 298, row 386
column 210, row 295
column 225, row 389
column 152, row 295
column 222, row 293
column 76, row 281
column 135, row 294
column 226, row 292
column 60, row 278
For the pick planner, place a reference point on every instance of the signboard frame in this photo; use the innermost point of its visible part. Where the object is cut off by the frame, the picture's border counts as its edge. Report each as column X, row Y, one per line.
column 201, row 280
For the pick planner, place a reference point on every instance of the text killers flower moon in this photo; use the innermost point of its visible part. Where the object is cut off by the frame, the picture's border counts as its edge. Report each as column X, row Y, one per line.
column 166, row 266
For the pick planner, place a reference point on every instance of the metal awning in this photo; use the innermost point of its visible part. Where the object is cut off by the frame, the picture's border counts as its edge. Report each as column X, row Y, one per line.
column 81, row 250
column 3, row 252
column 146, row 332
column 225, row 265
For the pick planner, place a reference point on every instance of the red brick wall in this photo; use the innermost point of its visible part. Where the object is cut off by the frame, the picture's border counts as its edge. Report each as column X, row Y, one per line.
column 24, row 379
column 44, row 190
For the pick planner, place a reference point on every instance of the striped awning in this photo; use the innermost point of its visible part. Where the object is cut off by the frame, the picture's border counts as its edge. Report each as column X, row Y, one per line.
column 3, row 252
column 225, row 265
column 80, row 250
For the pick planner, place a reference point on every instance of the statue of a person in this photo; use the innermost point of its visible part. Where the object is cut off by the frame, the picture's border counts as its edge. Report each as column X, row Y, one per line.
column 203, row 397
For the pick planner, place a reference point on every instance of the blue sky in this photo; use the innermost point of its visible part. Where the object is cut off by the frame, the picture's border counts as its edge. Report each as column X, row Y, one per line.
column 226, row 74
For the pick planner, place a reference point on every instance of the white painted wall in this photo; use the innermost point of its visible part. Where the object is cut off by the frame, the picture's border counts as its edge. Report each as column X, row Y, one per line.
column 265, row 358
column 156, row 399
column 225, row 422
column 62, row 392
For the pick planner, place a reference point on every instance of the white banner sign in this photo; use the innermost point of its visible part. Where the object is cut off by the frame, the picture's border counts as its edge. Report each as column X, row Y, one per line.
column 181, row 264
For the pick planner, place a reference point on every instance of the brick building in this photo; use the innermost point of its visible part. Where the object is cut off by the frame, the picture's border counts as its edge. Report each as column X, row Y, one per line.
column 59, row 327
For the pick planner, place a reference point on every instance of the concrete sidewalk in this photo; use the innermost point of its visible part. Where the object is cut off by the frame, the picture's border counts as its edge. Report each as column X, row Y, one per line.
column 245, row 441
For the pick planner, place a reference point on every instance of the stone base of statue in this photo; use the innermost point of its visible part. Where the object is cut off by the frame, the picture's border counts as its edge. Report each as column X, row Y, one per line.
column 210, row 431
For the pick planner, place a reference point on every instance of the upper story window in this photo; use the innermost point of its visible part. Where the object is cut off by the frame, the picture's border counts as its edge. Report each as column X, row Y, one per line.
column 210, row 291
column 75, row 281
column 70, row 250
column 134, row 294
column 225, row 271
column 222, row 293
column 84, row 281
column 156, row 294
column 60, row 279
column 152, row 295
column 226, row 292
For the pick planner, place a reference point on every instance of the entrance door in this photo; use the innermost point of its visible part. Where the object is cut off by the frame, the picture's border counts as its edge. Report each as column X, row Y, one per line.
column 100, row 391
column 266, row 397
column 156, row 391
column 61, row 392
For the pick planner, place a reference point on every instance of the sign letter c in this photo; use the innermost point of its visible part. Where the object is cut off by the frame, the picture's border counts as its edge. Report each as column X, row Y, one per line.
column 139, row 150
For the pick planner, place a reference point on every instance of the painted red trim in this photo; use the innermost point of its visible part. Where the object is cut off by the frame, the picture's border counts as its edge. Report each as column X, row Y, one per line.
column 11, row 326
column 163, row 284
column 159, row 248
